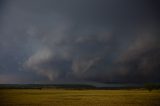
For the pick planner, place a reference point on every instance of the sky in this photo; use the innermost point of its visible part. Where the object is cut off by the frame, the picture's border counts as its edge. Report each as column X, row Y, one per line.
column 53, row 41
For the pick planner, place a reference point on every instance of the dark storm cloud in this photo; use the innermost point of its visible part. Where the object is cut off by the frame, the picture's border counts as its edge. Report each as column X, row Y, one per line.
column 79, row 40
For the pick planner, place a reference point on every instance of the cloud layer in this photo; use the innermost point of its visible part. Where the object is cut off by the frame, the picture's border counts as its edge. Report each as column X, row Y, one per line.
column 79, row 40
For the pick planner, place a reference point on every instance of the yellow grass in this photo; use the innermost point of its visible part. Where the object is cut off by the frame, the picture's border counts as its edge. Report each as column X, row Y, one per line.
column 59, row 97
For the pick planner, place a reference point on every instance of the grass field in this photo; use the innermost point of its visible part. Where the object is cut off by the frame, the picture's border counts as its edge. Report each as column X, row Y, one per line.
column 59, row 97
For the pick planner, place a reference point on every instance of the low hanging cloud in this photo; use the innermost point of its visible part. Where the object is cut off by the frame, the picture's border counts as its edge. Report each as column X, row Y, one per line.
column 36, row 63
column 87, row 40
column 140, row 61
column 92, row 59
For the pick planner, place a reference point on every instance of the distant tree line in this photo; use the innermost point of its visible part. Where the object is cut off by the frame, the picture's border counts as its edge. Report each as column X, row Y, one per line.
column 152, row 86
column 41, row 86
column 148, row 86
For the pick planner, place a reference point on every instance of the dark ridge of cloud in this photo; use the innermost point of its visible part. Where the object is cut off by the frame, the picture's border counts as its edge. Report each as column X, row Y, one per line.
column 142, row 67
column 80, row 40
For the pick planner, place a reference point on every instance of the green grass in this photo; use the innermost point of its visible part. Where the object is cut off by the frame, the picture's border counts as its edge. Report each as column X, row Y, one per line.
column 59, row 97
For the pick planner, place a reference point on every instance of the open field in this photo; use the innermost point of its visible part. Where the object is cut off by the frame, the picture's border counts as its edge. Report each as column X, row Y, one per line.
column 60, row 97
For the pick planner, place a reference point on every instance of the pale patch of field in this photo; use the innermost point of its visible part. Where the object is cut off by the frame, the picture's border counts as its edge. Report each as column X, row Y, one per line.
column 59, row 97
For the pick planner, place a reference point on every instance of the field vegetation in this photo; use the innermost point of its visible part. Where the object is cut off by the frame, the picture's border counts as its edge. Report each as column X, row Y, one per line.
column 61, row 97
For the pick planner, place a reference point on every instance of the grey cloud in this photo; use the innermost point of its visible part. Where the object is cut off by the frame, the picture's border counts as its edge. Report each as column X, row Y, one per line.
column 38, row 59
column 91, row 40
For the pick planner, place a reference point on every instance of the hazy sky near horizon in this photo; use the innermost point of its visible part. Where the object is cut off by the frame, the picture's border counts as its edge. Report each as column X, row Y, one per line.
column 51, row 41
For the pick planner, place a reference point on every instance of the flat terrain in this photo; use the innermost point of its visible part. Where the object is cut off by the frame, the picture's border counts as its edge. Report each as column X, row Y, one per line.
column 59, row 97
